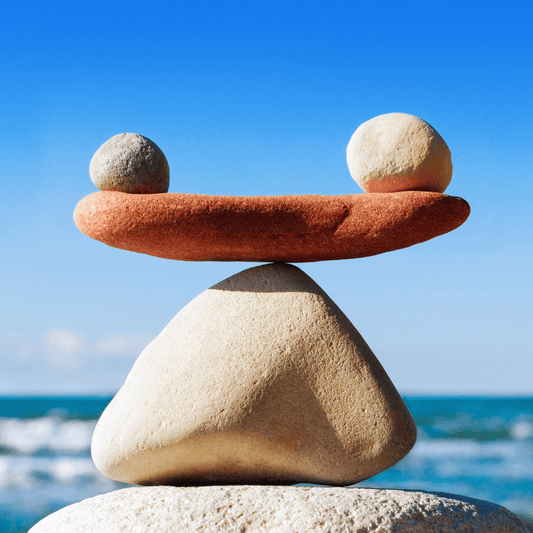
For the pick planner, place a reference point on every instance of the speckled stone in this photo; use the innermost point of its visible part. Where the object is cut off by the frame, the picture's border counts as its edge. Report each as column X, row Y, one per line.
column 193, row 227
column 399, row 152
column 130, row 163
column 259, row 379
column 257, row 509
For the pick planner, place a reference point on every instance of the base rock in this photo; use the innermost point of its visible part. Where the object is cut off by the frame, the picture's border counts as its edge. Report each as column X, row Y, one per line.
column 279, row 510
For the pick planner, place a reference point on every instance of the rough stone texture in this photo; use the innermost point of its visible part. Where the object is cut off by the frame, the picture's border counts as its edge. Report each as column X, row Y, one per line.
column 399, row 152
column 279, row 510
column 193, row 227
column 260, row 379
column 130, row 163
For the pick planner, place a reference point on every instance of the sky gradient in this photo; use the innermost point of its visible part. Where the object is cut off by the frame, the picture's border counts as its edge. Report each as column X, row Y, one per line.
column 261, row 98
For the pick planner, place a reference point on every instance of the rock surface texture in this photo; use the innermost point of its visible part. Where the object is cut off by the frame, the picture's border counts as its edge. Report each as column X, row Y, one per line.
column 193, row 227
column 130, row 163
column 399, row 152
column 279, row 510
column 260, row 379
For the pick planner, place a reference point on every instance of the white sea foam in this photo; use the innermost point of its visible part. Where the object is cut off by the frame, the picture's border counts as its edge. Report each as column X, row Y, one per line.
column 522, row 429
column 49, row 433
column 74, row 469
column 448, row 458
column 463, row 448
column 27, row 471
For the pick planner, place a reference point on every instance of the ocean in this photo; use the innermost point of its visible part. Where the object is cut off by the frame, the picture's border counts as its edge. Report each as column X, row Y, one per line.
column 475, row 446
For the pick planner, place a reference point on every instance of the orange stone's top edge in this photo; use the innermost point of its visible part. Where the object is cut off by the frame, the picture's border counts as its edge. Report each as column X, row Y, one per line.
column 180, row 196
column 291, row 228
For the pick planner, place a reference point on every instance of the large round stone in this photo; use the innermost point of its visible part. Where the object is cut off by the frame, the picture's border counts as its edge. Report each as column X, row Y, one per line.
column 399, row 152
column 130, row 163
column 260, row 509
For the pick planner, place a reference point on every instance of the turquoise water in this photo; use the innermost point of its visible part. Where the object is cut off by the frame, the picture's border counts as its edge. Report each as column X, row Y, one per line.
column 478, row 447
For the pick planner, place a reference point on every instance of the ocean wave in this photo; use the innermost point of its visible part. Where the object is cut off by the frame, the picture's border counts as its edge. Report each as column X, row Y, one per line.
column 459, row 458
column 522, row 430
column 48, row 435
column 465, row 427
column 16, row 472
column 474, row 450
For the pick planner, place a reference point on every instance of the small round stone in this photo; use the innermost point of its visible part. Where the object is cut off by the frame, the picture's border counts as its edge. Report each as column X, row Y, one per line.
column 399, row 152
column 130, row 163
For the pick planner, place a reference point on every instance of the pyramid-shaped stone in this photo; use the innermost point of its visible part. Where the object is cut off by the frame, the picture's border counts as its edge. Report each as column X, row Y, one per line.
column 260, row 379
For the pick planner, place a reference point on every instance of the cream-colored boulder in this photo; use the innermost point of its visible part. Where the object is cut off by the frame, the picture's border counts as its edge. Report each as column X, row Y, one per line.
column 260, row 379
column 399, row 152
column 257, row 509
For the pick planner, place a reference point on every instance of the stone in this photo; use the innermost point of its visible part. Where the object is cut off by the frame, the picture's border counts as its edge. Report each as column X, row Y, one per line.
column 130, row 163
column 193, row 227
column 259, row 379
column 399, row 152
column 279, row 510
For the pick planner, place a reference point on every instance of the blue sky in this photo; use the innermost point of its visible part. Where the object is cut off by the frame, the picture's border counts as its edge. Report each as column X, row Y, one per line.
column 257, row 98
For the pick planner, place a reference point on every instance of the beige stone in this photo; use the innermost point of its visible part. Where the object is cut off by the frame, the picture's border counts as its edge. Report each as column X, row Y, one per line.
column 130, row 163
column 260, row 379
column 279, row 510
column 399, row 152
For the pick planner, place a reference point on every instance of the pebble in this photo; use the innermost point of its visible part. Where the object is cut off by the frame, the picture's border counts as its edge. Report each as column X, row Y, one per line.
column 257, row 509
column 130, row 163
column 260, row 379
column 399, row 152
column 194, row 227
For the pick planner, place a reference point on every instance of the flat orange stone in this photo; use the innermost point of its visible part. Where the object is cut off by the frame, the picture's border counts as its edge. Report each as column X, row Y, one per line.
column 195, row 227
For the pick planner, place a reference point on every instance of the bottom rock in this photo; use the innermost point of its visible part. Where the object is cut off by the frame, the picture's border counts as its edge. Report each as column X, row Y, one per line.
column 253, row 508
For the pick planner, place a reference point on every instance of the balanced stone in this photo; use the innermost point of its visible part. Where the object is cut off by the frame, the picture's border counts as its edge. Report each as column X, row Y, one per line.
column 399, row 152
column 257, row 509
column 193, row 227
column 130, row 163
column 260, row 379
